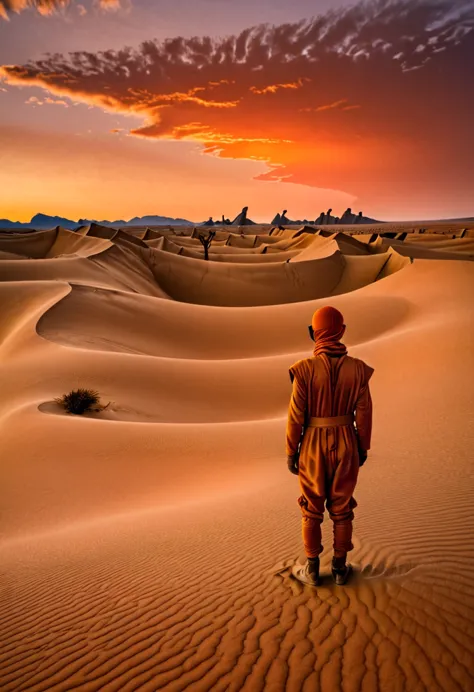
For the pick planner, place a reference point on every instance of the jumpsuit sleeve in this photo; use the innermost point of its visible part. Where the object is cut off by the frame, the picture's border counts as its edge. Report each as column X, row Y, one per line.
column 296, row 410
column 363, row 411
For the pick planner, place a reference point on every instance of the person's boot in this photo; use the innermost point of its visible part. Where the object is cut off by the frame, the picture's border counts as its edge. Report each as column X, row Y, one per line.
column 340, row 571
column 307, row 573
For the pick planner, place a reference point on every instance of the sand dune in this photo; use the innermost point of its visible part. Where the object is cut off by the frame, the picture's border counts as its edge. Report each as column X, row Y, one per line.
column 210, row 283
column 319, row 248
column 150, row 546
column 233, row 254
column 34, row 245
column 422, row 250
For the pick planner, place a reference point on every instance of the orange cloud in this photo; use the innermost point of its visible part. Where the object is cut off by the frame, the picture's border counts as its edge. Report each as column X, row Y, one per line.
column 158, row 100
column 109, row 5
column 273, row 88
column 330, row 106
column 346, row 101
column 47, row 7
column 56, row 102
column 44, row 7
column 35, row 101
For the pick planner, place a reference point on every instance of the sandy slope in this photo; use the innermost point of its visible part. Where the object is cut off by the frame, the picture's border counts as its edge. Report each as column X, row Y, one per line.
column 149, row 547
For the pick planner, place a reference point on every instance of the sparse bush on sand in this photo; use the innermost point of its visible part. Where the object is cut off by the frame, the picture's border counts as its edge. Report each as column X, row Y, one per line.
column 81, row 401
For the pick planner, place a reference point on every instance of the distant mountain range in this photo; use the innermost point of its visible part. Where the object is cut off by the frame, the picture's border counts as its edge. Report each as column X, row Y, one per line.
column 43, row 221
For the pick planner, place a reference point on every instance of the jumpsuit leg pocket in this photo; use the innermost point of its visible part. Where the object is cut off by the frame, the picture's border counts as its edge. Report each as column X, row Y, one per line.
column 307, row 521
column 303, row 503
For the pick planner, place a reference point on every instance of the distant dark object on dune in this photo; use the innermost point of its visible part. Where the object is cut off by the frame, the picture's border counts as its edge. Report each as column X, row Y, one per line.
column 206, row 241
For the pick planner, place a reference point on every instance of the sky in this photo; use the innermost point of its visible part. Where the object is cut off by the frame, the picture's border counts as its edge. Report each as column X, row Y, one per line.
column 111, row 109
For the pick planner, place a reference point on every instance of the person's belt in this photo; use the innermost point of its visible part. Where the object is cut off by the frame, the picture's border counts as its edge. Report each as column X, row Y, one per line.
column 330, row 422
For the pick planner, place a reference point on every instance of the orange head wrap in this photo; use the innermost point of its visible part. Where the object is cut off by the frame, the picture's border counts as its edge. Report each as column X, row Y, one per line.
column 328, row 326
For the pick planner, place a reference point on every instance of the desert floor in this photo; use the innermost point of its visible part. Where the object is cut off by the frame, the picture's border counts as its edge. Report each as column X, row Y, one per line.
column 149, row 547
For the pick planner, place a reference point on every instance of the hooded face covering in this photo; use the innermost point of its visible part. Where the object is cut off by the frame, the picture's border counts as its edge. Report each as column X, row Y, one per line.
column 328, row 328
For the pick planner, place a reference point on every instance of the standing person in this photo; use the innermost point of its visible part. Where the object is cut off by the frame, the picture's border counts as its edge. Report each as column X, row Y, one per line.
column 330, row 393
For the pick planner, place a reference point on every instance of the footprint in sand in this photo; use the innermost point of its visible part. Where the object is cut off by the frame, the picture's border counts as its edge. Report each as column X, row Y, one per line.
column 360, row 572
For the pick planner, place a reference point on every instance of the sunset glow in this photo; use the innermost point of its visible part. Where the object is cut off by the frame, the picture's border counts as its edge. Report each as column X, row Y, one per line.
column 351, row 107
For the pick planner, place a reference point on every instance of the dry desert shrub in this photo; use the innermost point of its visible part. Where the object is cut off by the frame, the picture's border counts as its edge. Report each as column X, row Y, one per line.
column 206, row 241
column 81, row 401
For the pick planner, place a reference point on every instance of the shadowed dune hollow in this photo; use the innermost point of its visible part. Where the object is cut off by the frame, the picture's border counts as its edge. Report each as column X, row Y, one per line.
column 150, row 546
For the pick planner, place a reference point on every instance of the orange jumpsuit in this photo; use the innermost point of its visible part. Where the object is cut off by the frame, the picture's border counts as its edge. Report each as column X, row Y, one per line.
column 327, row 386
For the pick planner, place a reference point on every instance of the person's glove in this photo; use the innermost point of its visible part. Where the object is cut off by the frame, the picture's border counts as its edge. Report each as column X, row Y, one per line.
column 362, row 452
column 293, row 464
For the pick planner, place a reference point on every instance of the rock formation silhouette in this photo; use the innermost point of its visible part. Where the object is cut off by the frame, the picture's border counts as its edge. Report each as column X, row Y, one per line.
column 283, row 219
column 242, row 220
column 328, row 218
column 348, row 217
column 209, row 222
